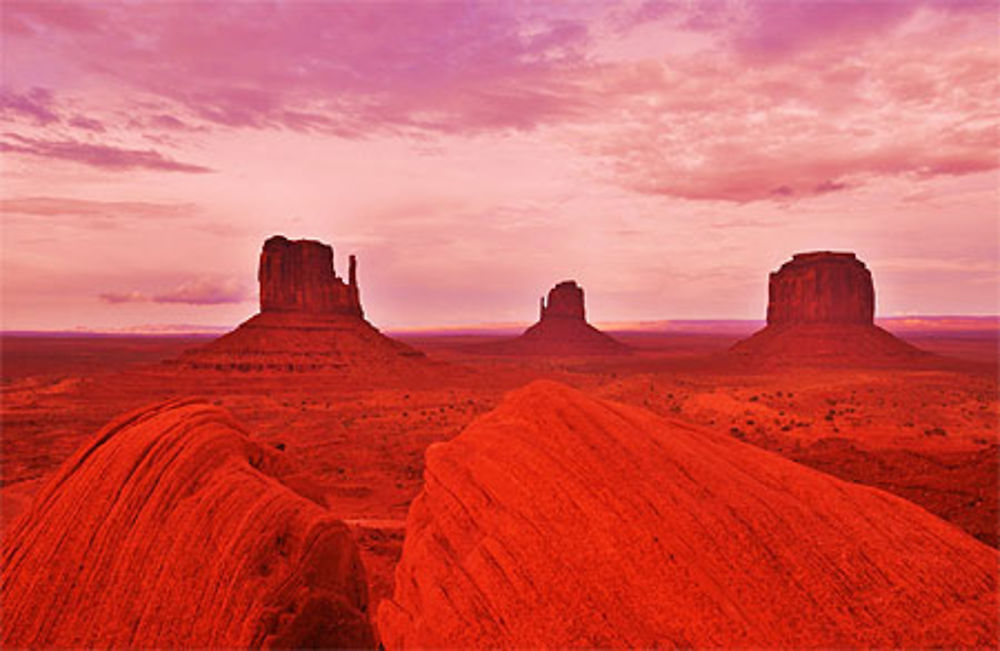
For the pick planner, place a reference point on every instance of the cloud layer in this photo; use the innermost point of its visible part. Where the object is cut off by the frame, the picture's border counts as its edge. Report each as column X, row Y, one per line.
column 196, row 291
column 667, row 153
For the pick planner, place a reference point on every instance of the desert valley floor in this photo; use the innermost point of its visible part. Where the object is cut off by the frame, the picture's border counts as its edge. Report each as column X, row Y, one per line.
column 926, row 432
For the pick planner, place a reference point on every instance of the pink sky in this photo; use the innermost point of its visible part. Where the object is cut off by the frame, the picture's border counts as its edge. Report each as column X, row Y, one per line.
column 666, row 155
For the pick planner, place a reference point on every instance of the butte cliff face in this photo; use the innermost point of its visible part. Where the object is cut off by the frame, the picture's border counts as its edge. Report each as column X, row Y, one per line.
column 562, row 329
column 171, row 528
column 821, row 308
column 310, row 320
column 565, row 302
column 559, row 520
column 821, row 287
column 299, row 277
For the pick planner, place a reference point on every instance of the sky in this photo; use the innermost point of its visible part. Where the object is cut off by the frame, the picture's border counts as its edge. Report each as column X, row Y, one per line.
column 666, row 155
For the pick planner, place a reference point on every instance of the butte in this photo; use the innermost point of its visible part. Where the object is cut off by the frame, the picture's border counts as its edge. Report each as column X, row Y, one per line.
column 821, row 309
column 562, row 329
column 309, row 320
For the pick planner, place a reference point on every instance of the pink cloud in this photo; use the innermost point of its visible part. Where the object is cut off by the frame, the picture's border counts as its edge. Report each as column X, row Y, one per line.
column 770, row 31
column 205, row 291
column 116, row 298
column 812, row 124
column 100, row 156
column 45, row 211
column 89, row 124
column 35, row 104
column 27, row 17
column 317, row 65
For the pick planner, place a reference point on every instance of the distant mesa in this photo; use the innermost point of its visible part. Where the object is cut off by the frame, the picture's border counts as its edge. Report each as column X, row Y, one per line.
column 821, row 308
column 310, row 320
column 559, row 520
column 172, row 528
column 562, row 329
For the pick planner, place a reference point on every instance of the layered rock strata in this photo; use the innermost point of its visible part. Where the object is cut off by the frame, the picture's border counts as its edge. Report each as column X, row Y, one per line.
column 171, row 528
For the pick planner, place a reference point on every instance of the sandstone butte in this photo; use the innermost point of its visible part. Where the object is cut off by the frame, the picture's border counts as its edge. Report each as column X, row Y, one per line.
column 310, row 319
column 562, row 329
column 558, row 520
column 171, row 528
column 821, row 308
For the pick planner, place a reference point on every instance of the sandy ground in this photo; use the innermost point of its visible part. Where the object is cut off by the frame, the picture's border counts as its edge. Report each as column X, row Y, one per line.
column 926, row 433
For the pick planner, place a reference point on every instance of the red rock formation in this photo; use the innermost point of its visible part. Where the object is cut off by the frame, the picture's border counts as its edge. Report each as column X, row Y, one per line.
column 562, row 329
column 299, row 277
column 820, row 309
column 558, row 520
column 296, row 342
column 565, row 302
column 171, row 528
column 821, row 287
column 310, row 320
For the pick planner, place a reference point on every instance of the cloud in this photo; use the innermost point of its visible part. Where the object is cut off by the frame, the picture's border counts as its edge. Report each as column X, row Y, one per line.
column 35, row 104
column 819, row 123
column 63, row 206
column 204, row 290
column 99, row 156
column 89, row 124
column 116, row 298
column 776, row 101
column 99, row 215
column 337, row 67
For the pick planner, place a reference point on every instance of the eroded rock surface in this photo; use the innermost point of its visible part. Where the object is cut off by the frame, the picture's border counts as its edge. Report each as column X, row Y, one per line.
column 171, row 528
column 558, row 520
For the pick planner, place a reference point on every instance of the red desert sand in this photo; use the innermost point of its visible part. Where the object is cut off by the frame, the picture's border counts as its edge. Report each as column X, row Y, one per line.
column 559, row 520
column 171, row 528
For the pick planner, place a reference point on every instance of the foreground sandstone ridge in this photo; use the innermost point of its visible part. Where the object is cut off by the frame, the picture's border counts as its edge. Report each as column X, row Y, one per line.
column 560, row 520
column 821, row 308
column 562, row 329
column 171, row 528
column 309, row 320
